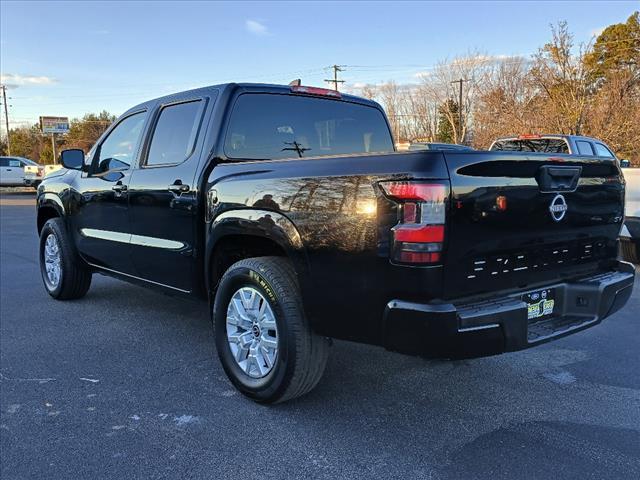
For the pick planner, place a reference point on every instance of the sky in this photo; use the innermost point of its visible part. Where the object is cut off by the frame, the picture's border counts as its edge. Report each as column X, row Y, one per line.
column 70, row 58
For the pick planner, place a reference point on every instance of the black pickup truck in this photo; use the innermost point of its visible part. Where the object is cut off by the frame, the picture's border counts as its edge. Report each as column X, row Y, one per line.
column 288, row 209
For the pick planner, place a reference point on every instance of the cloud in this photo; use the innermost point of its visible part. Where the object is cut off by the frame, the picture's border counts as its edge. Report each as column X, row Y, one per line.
column 473, row 60
column 15, row 80
column 256, row 28
column 421, row 74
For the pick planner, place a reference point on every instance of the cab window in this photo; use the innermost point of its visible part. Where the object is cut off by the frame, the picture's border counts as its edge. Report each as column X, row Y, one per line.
column 118, row 150
column 603, row 151
column 175, row 133
column 584, row 148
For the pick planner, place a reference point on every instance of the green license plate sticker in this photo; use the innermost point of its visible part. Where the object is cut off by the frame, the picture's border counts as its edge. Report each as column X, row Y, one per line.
column 540, row 304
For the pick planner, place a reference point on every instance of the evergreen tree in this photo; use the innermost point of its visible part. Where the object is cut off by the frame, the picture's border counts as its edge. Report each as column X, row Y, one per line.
column 448, row 119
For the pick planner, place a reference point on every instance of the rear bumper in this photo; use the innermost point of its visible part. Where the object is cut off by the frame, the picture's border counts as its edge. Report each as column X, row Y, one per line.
column 500, row 324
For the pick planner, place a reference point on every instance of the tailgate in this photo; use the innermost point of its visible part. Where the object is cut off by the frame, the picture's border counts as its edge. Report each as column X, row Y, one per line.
column 523, row 219
column 32, row 172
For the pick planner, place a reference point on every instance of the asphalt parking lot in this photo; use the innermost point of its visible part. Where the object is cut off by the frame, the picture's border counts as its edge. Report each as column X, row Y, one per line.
column 125, row 383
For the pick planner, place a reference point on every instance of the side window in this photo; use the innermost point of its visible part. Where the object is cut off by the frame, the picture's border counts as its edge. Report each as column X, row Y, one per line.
column 4, row 162
column 15, row 163
column 117, row 151
column 175, row 133
column 584, row 148
column 602, row 151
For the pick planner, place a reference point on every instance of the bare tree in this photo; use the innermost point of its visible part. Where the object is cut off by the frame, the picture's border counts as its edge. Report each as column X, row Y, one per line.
column 614, row 114
column 562, row 79
column 389, row 94
column 369, row 91
column 439, row 87
column 507, row 102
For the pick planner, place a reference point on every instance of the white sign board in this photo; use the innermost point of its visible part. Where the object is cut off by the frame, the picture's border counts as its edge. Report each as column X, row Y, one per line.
column 54, row 124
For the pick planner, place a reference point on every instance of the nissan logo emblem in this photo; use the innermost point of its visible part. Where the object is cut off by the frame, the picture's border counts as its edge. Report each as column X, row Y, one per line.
column 558, row 208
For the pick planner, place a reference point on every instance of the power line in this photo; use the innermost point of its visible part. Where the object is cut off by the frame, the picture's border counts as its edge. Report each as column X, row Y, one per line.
column 335, row 81
column 517, row 58
column 176, row 85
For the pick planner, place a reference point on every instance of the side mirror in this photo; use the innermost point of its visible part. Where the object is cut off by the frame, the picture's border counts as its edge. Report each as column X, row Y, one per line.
column 625, row 163
column 72, row 159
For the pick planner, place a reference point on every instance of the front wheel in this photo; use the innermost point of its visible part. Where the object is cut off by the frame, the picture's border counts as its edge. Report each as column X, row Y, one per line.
column 264, row 341
column 64, row 274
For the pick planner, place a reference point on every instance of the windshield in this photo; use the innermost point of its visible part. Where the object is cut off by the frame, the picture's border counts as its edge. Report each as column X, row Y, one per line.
column 267, row 126
column 546, row 145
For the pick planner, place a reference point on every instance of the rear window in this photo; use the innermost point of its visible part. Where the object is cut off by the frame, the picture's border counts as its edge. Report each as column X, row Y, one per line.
column 545, row 145
column 414, row 147
column 271, row 126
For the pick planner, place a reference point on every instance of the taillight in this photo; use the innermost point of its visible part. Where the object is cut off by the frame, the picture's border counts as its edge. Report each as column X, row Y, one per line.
column 419, row 235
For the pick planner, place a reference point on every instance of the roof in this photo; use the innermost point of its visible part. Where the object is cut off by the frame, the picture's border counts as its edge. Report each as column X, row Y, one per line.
column 547, row 135
column 244, row 86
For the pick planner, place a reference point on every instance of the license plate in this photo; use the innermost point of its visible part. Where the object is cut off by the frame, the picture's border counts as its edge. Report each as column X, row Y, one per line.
column 540, row 304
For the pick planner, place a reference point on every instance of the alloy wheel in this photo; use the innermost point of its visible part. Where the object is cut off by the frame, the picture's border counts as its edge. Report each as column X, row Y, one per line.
column 252, row 332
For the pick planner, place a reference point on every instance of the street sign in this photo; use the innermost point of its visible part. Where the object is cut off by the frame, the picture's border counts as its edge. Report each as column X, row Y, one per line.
column 54, row 124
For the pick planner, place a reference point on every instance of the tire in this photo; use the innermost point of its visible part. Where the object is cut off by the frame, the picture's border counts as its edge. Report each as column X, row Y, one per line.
column 74, row 278
column 630, row 251
column 301, row 354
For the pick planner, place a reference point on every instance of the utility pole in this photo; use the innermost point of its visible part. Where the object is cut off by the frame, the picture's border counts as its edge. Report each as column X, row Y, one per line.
column 460, row 139
column 6, row 118
column 335, row 81
column 53, row 147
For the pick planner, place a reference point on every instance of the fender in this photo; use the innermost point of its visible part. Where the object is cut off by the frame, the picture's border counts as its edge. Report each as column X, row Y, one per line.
column 263, row 224
column 51, row 200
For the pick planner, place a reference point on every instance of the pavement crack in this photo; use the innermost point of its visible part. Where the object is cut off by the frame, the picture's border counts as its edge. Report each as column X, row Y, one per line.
column 17, row 379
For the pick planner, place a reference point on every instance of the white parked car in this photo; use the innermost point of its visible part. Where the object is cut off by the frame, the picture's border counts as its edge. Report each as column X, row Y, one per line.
column 12, row 171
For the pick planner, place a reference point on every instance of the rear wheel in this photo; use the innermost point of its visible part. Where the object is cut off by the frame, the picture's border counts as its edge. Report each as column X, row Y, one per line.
column 64, row 274
column 264, row 341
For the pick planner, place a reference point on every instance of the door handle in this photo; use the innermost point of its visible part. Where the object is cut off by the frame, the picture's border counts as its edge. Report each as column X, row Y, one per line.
column 178, row 187
column 119, row 187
